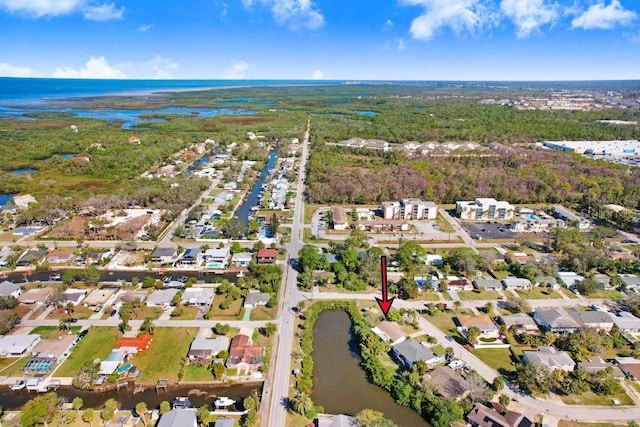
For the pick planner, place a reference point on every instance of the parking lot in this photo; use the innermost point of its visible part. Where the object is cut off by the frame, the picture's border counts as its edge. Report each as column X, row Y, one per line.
column 489, row 230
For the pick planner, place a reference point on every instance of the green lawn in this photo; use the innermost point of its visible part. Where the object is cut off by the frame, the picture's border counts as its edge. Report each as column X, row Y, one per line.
column 233, row 312
column 474, row 295
column 188, row 313
column 53, row 332
column 96, row 345
column 264, row 313
column 609, row 294
column 567, row 292
column 444, row 225
column 590, row 398
column 443, row 321
column 144, row 312
column 163, row 357
column 539, row 293
column 12, row 366
column 197, row 373
column 497, row 358
column 428, row 296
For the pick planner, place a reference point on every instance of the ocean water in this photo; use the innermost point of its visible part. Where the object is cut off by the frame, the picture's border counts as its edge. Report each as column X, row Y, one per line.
column 24, row 91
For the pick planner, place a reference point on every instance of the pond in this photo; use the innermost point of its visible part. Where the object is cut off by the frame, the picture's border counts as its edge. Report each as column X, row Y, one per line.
column 366, row 113
column 340, row 385
column 5, row 198
column 25, row 171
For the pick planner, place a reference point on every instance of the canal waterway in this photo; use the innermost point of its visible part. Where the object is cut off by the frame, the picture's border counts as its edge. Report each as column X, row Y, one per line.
column 199, row 395
column 253, row 199
column 340, row 385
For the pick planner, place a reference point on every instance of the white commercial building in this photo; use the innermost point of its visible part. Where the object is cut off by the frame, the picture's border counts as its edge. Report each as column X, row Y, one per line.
column 485, row 209
column 409, row 209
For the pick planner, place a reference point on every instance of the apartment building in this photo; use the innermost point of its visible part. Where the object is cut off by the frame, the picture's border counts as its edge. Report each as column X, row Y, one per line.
column 409, row 209
column 485, row 209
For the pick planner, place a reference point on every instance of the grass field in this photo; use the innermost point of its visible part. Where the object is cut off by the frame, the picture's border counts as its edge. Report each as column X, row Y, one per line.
column 590, row 398
column 96, row 345
column 163, row 357
column 195, row 373
column 473, row 295
column 497, row 358
column 188, row 313
column 539, row 293
column 53, row 332
column 233, row 312
column 567, row 293
column 443, row 321
column 12, row 366
column 264, row 313
column 144, row 312
column 428, row 296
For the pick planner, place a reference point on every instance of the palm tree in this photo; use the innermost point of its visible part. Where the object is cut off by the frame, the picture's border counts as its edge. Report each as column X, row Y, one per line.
column 77, row 403
column 301, row 403
column 457, row 304
column 88, row 415
column 63, row 324
column 141, row 410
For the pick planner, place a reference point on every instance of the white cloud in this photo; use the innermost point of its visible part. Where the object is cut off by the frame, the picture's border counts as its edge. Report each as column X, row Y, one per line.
column 8, row 70
column 459, row 15
column 162, row 67
column 40, row 8
column 103, row 12
column 95, row 68
column 401, row 44
column 599, row 16
column 317, row 75
column 388, row 24
column 295, row 14
column 238, row 70
column 144, row 28
column 529, row 15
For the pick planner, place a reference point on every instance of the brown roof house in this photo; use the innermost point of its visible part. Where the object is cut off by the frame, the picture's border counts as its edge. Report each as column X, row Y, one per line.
column 243, row 355
column 339, row 218
column 389, row 331
column 267, row 256
column 483, row 416
column 448, row 383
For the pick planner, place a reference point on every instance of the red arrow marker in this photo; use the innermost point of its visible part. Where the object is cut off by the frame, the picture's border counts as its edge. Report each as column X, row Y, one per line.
column 384, row 303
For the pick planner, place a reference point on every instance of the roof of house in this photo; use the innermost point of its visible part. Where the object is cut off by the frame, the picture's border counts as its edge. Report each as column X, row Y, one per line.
column 53, row 347
column 130, row 296
column 339, row 215
column 487, row 283
column 217, row 252
column 214, row 345
column 198, row 295
column 484, row 323
column 255, row 298
column 267, row 253
column 224, row 422
column 178, row 417
column 596, row 364
column 241, row 351
column 483, row 416
column 337, row 421
column 412, row 351
column 75, row 295
column 556, row 317
column 162, row 252
column 549, row 357
column 35, row 295
column 626, row 320
column 7, row 288
column 17, row 344
column 518, row 319
column 511, row 282
column 141, row 342
column 242, row 256
column 161, row 296
column 448, row 383
column 32, row 255
column 191, row 253
column 630, row 280
column 390, row 331
column 99, row 296
column 590, row 317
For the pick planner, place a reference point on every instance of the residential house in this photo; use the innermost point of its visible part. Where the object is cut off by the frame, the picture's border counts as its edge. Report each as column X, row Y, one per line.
column 243, row 355
column 630, row 366
column 22, row 202
column 410, row 351
column 519, row 257
column 592, row 319
column 630, row 281
column 339, row 217
column 409, row 209
column 550, row 358
column 98, row 297
column 162, row 298
column 112, row 362
column 519, row 283
column 555, row 319
column 603, row 280
column 60, row 256
column 483, row 416
column 17, row 345
column 191, row 257
column 484, row 323
column 627, row 322
column 217, row 257
column 336, row 421
column 569, row 279
column 485, row 209
column 432, row 259
column 74, row 295
column 458, row 283
column 10, row 289
column 254, row 299
column 448, row 383
column 130, row 296
column 37, row 296
column 47, row 353
column 382, row 225
column 5, row 253
column 571, row 218
column 520, row 321
column 389, row 332
column 595, row 364
column 133, row 344
column 206, row 348
column 164, row 256
column 200, row 297
column 267, row 256
column 31, row 257
column 241, row 259
column 487, row 284
column 179, row 417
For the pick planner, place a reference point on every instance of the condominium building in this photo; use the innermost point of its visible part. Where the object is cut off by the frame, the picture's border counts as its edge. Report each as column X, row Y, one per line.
column 409, row 209
column 485, row 209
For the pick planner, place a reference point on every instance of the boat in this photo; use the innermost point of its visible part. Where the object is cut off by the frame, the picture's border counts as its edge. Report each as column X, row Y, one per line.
column 240, row 273
column 223, row 401
column 181, row 402
column 19, row 385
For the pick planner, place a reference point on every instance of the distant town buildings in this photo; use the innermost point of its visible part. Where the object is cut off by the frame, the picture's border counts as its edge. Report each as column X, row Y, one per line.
column 485, row 209
column 409, row 209
column 597, row 148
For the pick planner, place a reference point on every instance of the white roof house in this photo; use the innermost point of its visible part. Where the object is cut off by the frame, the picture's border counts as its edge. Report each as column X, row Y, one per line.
column 520, row 321
column 627, row 322
column 16, row 345
column 555, row 319
column 254, row 299
column 216, row 257
column 9, row 289
column 550, row 358
column 179, row 417
column 569, row 278
column 208, row 347
column 512, row 282
column 197, row 296
column 161, row 297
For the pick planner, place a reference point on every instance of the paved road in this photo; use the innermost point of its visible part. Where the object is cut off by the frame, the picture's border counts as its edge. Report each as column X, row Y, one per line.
column 277, row 391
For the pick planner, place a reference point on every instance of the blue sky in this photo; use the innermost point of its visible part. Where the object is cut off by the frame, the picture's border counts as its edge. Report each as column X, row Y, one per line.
column 322, row 39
